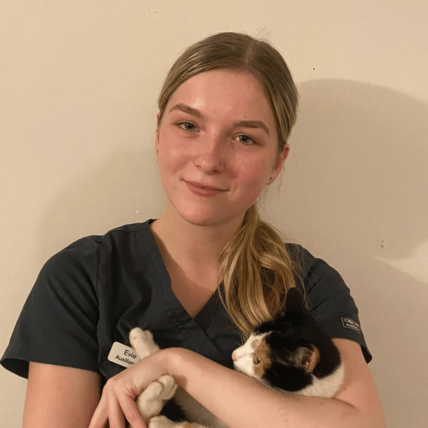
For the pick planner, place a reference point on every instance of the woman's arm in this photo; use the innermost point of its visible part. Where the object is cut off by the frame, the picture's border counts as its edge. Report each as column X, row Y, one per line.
column 60, row 397
column 242, row 401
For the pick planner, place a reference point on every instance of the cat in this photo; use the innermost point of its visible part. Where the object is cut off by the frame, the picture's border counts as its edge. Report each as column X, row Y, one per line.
column 290, row 353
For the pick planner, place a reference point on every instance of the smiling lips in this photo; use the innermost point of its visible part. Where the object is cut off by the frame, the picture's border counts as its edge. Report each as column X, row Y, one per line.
column 203, row 190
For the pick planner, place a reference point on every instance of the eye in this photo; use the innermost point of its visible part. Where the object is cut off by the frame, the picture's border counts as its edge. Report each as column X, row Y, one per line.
column 245, row 139
column 256, row 360
column 187, row 126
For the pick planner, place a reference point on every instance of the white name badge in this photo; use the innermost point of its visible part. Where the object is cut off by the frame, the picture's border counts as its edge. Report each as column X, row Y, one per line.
column 123, row 355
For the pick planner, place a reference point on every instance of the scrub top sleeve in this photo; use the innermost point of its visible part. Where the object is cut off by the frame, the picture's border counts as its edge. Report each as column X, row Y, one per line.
column 58, row 323
column 331, row 302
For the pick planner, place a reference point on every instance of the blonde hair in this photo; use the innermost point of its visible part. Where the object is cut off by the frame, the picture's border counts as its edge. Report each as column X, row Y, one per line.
column 255, row 265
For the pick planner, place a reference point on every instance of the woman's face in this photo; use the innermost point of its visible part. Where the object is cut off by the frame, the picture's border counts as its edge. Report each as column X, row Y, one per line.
column 217, row 147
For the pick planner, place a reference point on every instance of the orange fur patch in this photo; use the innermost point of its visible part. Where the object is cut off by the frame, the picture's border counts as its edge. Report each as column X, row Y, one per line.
column 262, row 351
column 313, row 360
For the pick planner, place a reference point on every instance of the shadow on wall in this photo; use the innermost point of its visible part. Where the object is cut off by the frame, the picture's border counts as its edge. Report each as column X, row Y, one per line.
column 362, row 153
column 124, row 189
column 355, row 193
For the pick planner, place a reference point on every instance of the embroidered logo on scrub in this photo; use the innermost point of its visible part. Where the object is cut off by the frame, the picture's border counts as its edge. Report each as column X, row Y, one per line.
column 350, row 323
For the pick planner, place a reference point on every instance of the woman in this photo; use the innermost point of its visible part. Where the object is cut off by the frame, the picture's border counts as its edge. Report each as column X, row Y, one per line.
column 225, row 114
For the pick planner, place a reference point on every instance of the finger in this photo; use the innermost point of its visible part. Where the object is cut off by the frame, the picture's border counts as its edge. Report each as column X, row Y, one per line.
column 129, row 407
column 115, row 414
column 100, row 416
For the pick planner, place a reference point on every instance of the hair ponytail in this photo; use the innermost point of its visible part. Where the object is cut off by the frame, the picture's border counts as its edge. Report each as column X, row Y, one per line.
column 257, row 271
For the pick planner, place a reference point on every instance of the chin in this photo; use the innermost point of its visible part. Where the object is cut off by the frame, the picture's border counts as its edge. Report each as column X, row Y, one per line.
column 239, row 367
column 204, row 217
column 201, row 220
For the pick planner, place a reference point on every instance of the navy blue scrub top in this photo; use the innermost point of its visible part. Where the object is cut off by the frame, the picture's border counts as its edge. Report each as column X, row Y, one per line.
column 96, row 290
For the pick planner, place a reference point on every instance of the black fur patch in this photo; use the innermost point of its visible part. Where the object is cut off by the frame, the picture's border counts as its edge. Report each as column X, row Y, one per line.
column 294, row 329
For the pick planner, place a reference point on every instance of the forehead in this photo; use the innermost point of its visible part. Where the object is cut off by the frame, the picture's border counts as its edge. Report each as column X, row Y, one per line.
column 225, row 93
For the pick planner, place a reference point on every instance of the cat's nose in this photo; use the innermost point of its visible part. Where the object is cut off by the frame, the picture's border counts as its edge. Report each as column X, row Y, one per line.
column 234, row 355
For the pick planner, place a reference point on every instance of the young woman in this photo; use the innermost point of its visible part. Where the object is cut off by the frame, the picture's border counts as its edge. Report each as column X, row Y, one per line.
column 225, row 114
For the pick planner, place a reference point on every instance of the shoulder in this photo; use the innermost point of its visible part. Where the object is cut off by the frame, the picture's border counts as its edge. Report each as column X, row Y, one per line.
column 87, row 251
column 76, row 288
column 83, row 269
column 322, row 283
column 328, row 297
column 113, row 238
column 302, row 256
column 311, row 269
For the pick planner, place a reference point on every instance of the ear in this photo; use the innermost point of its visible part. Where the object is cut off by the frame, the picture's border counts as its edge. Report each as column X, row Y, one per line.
column 294, row 301
column 308, row 358
column 302, row 358
column 280, row 162
column 157, row 132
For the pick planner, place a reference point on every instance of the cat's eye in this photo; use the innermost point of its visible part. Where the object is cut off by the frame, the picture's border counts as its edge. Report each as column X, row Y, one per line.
column 256, row 360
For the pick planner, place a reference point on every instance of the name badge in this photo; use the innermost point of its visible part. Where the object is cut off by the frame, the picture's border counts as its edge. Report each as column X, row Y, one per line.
column 123, row 355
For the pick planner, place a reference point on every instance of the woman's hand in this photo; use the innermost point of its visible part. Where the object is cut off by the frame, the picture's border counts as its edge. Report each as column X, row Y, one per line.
column 119, row 394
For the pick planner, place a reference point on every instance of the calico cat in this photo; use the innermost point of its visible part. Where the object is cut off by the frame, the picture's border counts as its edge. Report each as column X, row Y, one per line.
column 291, row 353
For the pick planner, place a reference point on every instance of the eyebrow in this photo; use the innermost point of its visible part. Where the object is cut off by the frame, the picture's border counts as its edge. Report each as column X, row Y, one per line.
column 252, row 124
column 244, row 123
column 187, row 109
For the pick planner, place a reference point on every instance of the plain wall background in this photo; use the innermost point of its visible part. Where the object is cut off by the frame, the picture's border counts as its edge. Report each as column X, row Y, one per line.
column 78, row 88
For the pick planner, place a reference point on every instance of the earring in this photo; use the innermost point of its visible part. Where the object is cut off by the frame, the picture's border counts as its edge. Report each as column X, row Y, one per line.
column 270, row 179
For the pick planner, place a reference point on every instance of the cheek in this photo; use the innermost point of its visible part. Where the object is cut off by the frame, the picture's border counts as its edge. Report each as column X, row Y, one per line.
column 169, row 162
column 256, row 169
column 173, row 155
column 255, row 176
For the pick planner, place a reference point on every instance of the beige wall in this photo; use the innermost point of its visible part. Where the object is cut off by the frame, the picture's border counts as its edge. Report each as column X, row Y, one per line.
column 78, row 85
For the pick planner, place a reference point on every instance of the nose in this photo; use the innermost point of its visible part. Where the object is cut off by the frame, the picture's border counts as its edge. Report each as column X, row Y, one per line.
column 211, row 155
column 234, row 355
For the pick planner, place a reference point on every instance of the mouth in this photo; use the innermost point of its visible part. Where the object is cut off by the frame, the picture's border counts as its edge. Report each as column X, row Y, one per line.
column 205, row 186
column 202, row 189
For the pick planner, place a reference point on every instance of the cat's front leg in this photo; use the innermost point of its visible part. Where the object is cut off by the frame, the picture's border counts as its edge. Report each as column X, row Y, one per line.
column 152, row 400
column 143, row 343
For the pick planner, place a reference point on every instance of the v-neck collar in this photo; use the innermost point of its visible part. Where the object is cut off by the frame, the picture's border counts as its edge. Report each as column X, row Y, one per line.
column 200, row 328
column 166, row 280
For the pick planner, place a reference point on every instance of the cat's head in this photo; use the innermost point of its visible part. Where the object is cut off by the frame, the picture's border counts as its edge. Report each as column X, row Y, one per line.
column 290, row 352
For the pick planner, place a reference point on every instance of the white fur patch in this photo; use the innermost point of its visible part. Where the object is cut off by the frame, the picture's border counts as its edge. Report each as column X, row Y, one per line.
column 243, row 356
column 143, row 343
column 326, row 387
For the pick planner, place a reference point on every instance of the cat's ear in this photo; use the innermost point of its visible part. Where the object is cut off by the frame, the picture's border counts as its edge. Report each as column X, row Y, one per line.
column 302, row 358
column 294, row 301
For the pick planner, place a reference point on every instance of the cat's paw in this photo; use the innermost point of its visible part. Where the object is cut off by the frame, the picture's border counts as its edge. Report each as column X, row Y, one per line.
column 151, row 401
column 137, row 334
column 142, row 341
column 162, row 422
column 164, row 388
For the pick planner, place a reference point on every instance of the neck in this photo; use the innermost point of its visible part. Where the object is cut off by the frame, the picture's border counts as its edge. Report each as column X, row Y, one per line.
column 188, row 243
